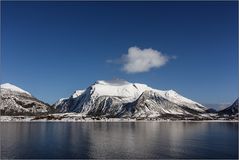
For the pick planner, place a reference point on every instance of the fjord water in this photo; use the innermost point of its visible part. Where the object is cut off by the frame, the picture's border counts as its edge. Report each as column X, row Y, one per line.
column 119, row 140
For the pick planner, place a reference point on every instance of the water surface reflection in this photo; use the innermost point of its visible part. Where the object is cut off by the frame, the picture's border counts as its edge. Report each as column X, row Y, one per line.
column 119, row 140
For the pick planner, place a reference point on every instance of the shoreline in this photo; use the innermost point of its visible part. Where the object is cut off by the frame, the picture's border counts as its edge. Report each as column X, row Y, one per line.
column 47, row 121
column 110, row 120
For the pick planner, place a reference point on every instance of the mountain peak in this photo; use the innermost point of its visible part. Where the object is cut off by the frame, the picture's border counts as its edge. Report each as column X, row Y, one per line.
column 171, row 92
column 77, row 93
column 117, row 87
column 114, row 82
column 12, row 87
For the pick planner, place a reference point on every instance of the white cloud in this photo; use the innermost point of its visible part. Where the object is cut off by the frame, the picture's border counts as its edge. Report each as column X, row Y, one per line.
column 142, row 60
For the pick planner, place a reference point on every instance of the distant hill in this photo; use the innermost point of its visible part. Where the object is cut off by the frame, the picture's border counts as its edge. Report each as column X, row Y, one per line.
column 16, row 101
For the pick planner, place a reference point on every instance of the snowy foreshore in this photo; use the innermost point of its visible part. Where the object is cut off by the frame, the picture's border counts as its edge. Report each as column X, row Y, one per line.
column 74, row 119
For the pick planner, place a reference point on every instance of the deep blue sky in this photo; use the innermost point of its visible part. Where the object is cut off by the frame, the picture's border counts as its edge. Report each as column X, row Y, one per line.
column 53, row 48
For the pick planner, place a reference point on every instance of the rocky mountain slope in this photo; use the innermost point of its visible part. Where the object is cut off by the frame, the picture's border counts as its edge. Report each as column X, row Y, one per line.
column 231, row 110
column 16, row 101
column 111, row 99
column 124, row 99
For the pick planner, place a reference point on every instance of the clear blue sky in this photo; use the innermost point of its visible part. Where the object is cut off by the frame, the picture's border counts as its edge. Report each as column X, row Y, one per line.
column 53, row 48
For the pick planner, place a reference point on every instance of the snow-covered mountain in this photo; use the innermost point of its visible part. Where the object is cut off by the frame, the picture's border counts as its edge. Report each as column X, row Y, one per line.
column 231, row 110
column 16, row 101
column 123, row 99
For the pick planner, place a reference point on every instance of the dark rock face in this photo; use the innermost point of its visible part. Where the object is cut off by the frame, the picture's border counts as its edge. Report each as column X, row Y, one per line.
column 231, row 110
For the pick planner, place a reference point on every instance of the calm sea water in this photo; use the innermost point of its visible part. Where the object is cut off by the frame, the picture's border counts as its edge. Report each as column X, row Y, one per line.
column 119, row 140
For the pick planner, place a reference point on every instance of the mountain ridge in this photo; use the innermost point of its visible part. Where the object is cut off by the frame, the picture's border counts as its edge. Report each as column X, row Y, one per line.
column 112, row 99
column 102, row 97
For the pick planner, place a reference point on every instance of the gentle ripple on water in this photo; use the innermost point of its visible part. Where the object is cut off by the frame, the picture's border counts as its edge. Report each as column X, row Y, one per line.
column 119, row 140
